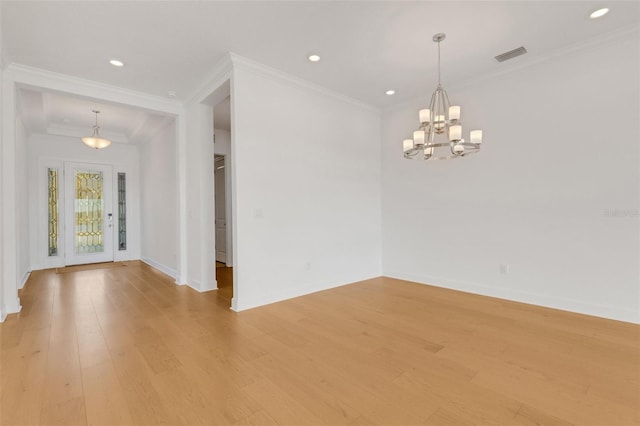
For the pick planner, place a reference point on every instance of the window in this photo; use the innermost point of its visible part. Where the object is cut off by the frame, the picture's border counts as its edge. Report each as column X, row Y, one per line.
column 53, row 211
column 122, row 211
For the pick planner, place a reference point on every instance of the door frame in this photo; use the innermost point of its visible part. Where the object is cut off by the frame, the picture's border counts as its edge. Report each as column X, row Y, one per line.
column 39, row 212
column 216, row 159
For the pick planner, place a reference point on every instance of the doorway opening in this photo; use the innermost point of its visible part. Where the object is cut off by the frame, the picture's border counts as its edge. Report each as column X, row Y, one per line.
column 222, row 198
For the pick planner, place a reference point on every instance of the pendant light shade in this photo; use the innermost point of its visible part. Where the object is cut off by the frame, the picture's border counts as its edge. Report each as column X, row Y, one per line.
column 95, row 141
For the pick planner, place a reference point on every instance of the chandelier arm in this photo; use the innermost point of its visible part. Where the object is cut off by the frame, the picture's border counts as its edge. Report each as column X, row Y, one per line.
column 446, row 95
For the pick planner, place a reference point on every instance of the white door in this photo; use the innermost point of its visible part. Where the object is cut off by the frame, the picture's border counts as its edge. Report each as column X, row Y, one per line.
column 220, row 208
column 89, row 220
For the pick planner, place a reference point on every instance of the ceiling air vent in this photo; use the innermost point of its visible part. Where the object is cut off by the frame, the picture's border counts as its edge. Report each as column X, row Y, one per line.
column 511, row 54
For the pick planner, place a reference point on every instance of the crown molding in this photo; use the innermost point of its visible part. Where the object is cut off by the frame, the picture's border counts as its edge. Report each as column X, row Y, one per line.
column 221, row 72
column 25, row 75
column 535, row 60
column 293, row 81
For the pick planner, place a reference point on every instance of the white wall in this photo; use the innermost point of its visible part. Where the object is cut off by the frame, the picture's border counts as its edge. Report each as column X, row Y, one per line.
column 554, row 193
column 199, row 196
column 307, row 188
column 9, row 203
column 51, row 151
column 159, row 201
column 222, row 146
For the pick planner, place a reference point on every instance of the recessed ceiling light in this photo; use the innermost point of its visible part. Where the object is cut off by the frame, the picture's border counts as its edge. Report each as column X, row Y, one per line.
column 171, row 94
column 390, row 92
column 314, row 58
column 116, row 63
column 600, row 12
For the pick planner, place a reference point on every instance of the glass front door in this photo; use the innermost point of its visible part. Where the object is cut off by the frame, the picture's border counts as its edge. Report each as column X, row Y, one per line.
column 88, row 219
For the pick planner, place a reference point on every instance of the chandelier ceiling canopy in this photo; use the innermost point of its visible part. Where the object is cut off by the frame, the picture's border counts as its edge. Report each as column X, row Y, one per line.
column 439, row 136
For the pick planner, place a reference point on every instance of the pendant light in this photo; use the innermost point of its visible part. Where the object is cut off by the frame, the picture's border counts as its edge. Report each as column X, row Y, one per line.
column 95, row 141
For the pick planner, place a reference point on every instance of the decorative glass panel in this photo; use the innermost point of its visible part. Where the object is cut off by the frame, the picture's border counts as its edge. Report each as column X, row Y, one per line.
column 53, row 211
column 89, row 212
column 122, row 211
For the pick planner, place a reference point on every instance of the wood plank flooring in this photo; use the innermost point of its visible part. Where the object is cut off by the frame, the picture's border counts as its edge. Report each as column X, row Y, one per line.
column 126, row 346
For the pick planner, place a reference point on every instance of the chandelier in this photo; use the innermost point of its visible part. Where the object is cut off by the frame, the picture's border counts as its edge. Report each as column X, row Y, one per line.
column 95, row 141
column 439, row 136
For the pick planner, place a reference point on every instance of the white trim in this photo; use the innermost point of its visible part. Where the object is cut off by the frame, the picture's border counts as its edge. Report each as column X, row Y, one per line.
column 220, row 73
column 296, row 82
column 183, row 217
column 535, row 60
column 234, row 200
column 197, row 286
column 12, row 308
column 293, row 292
column 25, row 278
column 160, row 267
column 206, row 181
column 30, row 76
column 603, row 311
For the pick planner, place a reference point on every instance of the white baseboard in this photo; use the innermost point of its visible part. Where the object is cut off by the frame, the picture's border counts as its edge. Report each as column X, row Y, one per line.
column 586, row 308
column 160, row 267
column 240, row 304
column 197, row 286
column 25, row 278
column 12, row 308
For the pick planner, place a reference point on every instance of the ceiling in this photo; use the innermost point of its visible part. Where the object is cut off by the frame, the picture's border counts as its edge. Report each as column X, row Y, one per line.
column 65, row 115
column 366, row 47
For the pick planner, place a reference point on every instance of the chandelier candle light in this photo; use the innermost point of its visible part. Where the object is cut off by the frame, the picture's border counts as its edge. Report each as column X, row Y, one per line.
column 439, row 136
column 95, row 141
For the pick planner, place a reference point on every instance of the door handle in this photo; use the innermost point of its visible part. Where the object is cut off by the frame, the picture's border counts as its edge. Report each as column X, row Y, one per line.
column 110, row 216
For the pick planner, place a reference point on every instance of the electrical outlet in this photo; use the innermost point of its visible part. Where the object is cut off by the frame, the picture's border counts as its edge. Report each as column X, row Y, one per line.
column 504, row 268
column 307, row 266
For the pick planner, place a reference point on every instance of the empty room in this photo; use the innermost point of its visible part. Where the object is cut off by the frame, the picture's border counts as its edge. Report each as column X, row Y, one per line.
column 319, row 213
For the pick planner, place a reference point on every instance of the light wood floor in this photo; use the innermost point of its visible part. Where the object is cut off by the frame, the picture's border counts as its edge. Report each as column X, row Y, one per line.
column 126, row 346
column 224, row 278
